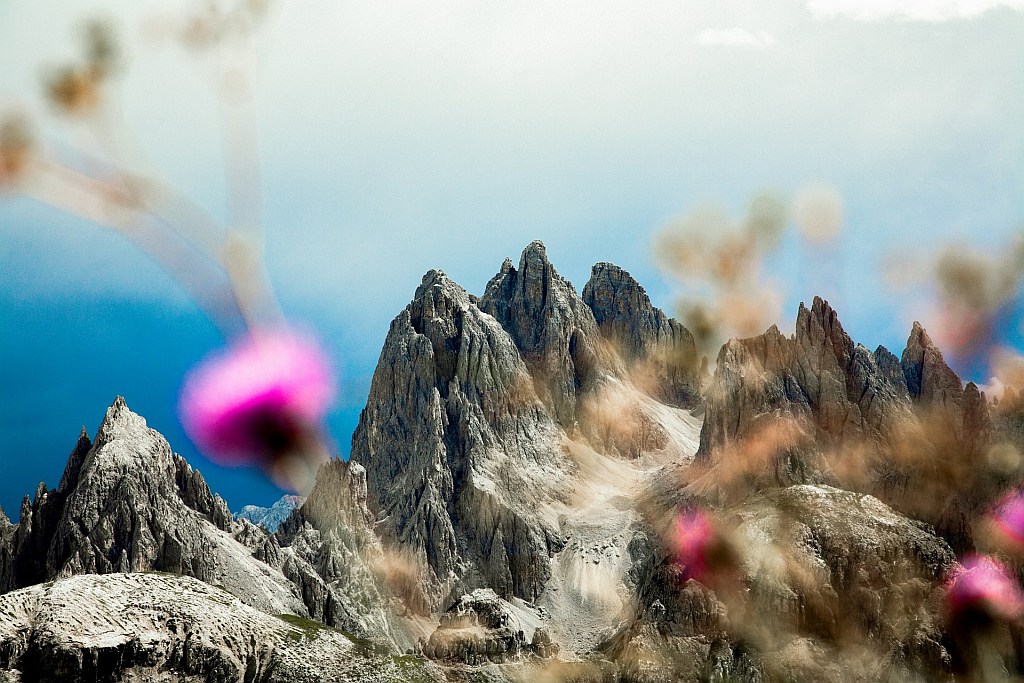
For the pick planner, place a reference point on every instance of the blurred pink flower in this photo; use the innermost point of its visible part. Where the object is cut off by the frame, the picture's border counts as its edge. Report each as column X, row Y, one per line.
column 1008, row 516
column 260, row 400
column 693, row 540
column 984, row 585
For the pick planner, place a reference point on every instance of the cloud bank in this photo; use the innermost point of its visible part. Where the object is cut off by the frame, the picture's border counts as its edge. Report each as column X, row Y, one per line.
column 909, row 10
column 735, row 37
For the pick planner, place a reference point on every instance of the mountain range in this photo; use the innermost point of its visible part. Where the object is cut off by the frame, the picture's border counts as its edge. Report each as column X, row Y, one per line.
column 519, row 505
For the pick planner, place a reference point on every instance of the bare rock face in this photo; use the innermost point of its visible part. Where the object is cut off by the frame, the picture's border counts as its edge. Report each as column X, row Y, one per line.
column 164, row 628
column 481, row 627
column 661, row 352
column 818, row 380
column 127, row 503
column 833, row 586
column 461, row 455
column 462, row 435
column 830, row 411
column 553, row 328
column 328, row 549
column 956, row 416
column 270, row 518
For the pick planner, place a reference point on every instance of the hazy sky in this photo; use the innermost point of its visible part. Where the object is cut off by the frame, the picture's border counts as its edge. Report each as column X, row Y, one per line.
column 401, row 136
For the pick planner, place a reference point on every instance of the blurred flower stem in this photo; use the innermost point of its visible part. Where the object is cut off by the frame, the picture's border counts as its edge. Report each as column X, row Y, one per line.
column 270, row 388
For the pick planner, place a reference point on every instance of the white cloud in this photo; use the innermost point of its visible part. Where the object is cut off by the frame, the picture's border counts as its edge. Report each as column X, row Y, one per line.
column 735, row 37
column 908, row 10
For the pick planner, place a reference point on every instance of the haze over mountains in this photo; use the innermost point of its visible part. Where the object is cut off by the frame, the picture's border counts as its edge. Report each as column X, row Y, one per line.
column 511, row 507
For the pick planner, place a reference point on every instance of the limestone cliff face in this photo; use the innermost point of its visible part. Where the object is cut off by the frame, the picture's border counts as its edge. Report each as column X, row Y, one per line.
column 957, row 415
column 815, row 408
column 818, row 380
column 459, row 451
column 832, row 586
column 661, row 352
column 462, row 435
column 127, row 503
column 329, row 551
column 481, row 628
column 164, row 628
column 553, row 328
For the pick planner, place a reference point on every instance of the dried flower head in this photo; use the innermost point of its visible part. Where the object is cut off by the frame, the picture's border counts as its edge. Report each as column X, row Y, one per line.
column 17, row 146
column 102, row 48
column 978, row 298
column 983, row 588
column 262, row 401
column 74, row 90
column 766, row 221
column 818, row 211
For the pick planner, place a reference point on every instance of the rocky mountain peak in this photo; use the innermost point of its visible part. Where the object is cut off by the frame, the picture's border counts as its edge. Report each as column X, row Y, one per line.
column 270, row 518
column 818, row 331
column 818, row 402
column 929, row 379
column 450, row 401
column 75, row 461
column 128, row 503
column 463, row 434
column 119, row 421
column 529, row 300
column 611, row 284
column 657, row 347
column 832, row 390
column 553, row 329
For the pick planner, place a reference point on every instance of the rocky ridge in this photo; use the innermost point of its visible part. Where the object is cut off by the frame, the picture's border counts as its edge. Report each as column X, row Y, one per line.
column 329, row 551
column 472, row 400
column 271, row 518
column 163, row 627
column 126, row 503
column 452, row 427
column 510, row 507
column 816, row 561
column 816, row 408
column 661, row 352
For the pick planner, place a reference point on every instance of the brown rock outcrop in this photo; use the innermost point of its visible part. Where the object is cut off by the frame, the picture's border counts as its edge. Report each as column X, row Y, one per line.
column 660, row 352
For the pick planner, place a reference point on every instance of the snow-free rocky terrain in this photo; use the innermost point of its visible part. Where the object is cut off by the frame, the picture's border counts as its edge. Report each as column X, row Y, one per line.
column 507, row 513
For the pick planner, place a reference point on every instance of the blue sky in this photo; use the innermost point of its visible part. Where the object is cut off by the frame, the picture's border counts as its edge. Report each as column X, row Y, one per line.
column 397, row 137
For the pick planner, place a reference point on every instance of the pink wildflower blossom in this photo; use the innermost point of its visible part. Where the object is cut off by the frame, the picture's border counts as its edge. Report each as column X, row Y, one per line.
column 704, row 551
column 984, row 586
column 261, row 400
column 1008, row 517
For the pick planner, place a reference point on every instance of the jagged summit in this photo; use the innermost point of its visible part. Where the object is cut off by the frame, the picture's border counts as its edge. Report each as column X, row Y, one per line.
column 462, row 434
column 828, row 411
column 928, row 377
column 656, row 345
column 553, row 329
column 270, row 518
column 521, row 484
column 822, row 378
column 126, row 502
column 450, row 401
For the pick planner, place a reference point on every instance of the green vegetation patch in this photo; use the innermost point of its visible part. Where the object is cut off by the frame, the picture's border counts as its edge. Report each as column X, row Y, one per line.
column 302, row 628
column 412, row 668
